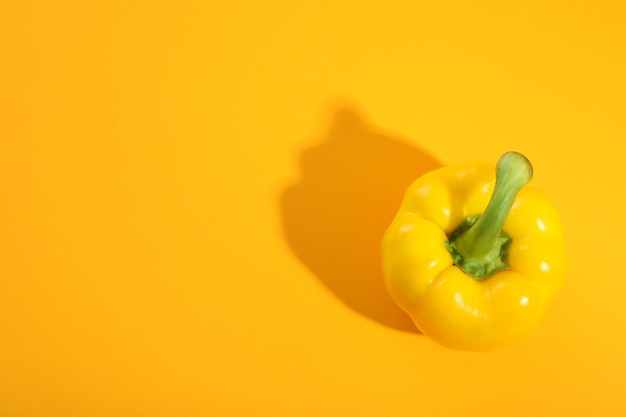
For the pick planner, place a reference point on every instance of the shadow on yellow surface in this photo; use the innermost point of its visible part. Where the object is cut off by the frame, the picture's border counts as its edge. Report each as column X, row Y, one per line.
column 334, row 219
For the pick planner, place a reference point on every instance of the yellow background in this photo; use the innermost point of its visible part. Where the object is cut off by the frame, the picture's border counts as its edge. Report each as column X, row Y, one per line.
column 192, row 196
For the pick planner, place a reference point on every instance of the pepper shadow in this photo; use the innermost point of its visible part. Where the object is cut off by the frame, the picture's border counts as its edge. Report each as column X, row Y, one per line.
column 334, row 219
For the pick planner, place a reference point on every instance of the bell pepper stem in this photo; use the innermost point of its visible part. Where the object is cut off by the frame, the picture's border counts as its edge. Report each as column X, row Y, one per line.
column 480, row 246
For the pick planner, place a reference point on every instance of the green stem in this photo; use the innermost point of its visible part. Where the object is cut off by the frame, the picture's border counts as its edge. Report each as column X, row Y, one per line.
column 479, row 246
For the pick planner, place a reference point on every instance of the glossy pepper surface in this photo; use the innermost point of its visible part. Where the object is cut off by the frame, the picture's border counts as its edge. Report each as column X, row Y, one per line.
column 474, row 256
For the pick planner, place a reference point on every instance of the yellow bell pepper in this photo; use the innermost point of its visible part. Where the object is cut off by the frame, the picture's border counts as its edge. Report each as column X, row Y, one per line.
column 474, row 256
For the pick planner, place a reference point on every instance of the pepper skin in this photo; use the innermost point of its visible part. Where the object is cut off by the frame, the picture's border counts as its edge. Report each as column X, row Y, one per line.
column 460, row 306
